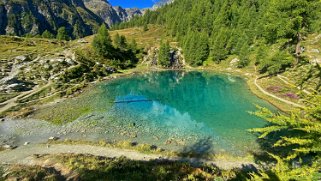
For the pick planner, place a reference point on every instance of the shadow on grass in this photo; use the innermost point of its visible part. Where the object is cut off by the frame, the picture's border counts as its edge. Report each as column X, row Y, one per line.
column 190, row 165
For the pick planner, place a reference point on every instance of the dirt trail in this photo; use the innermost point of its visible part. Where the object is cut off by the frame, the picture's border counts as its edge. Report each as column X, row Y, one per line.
column 278, row 98
column 13, row 102
column 22, row 155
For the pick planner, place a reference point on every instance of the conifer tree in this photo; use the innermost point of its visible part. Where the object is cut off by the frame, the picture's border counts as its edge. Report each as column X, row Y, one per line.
column 102, row 42
column 164, row 54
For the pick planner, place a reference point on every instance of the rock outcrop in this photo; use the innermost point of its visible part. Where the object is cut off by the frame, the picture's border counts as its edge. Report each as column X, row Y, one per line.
column 111, row 15
column 176, row 58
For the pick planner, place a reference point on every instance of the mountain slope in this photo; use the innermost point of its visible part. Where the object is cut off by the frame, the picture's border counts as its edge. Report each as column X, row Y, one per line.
column 111, row 15
column 35, row 16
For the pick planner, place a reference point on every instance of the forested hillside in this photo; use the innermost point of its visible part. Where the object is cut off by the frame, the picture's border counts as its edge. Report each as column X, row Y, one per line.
column 215, row 29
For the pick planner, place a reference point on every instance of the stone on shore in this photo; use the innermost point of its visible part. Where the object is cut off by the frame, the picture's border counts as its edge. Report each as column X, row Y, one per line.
column 53, row 138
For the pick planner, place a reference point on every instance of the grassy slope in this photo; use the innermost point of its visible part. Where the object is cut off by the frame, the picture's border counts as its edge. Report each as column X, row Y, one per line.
column 15, row 46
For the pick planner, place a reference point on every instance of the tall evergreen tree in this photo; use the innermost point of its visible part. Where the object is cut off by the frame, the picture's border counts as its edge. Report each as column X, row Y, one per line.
column 164, row 54
column 102, row 42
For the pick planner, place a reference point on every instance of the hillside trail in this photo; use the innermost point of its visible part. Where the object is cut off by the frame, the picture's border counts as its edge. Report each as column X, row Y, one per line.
column 276, row 97
column 6, row 105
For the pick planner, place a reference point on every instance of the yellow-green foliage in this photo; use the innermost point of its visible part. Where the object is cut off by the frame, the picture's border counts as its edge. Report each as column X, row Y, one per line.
column 295, row 138
column 282, row 171
column 15, row 46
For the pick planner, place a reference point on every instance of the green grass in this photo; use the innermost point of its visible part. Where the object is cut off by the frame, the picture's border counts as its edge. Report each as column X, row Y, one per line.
column 93, row 168
column 15, row 46
column 6, row 96
column 145, row 39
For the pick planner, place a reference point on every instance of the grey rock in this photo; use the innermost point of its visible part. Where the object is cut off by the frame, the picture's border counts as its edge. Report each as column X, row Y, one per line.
column 8, row 147
column 53, row 138
column 22, row 58
column 26, row 143
column 82, row 41
column 111, row 15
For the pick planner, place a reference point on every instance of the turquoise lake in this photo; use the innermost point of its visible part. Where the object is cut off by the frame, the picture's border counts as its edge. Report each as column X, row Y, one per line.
column 196, row 111
column 175, row 109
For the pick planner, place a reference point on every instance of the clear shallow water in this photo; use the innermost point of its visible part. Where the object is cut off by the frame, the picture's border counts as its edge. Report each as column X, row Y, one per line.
column 178, row 109
column 198, row 111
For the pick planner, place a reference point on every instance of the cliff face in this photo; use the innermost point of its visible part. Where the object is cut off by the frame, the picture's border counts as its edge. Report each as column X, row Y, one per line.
column 111, row 15
column 35, row 16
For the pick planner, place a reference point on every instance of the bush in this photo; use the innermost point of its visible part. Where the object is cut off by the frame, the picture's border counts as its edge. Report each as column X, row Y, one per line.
column 62, row 34
column 47, row 34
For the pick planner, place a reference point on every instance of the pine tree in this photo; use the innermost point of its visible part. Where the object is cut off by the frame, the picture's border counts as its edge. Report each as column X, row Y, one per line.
column 164, row 54
column 102, row 42
column 62, row 34
column 120, row 41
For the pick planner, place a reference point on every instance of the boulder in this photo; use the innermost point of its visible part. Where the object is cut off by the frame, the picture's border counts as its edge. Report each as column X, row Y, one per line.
column 8, row 147
column 2, row 120
column 234, row 61
column 110, row 70
column 82, row 41
column 26, row 143
column 70, row 61
column 22, row 58
column 53, row 138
